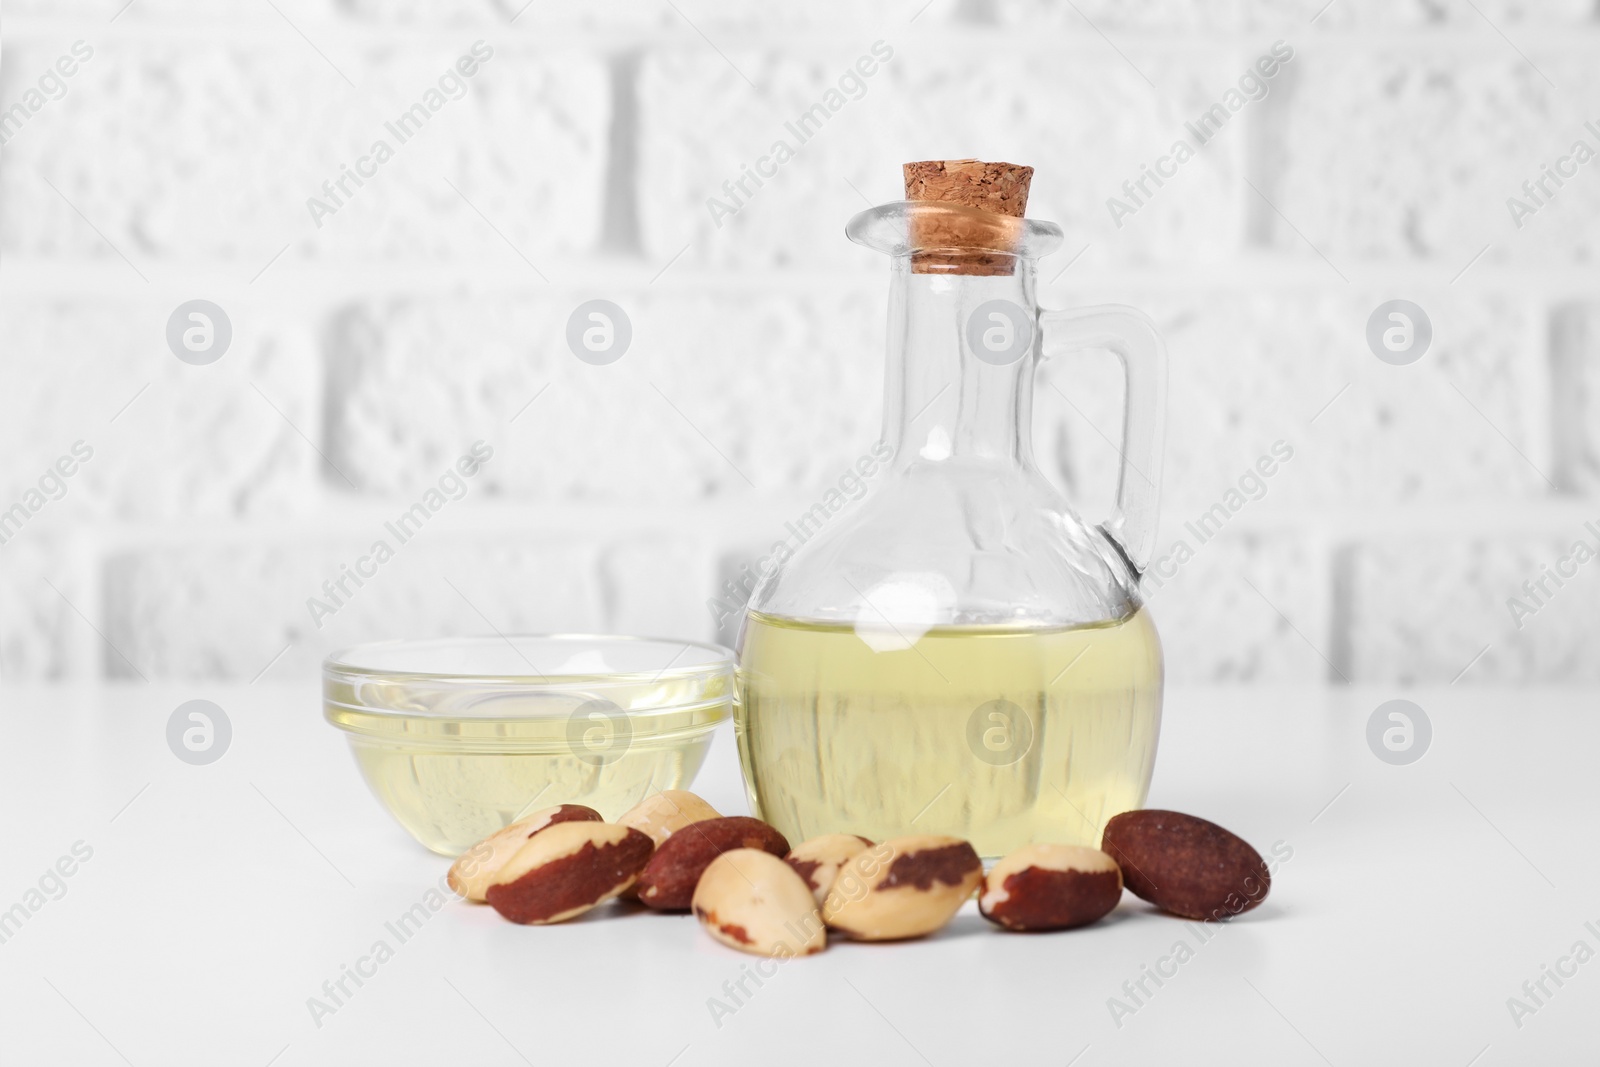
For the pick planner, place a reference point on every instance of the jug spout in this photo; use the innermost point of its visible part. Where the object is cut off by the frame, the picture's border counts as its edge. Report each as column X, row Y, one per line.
column 951, row 238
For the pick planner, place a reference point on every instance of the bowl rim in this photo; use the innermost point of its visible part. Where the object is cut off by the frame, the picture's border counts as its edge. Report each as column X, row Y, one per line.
column 335, row 663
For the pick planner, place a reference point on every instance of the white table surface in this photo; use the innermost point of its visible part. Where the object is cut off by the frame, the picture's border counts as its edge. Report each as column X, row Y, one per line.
column 218, row 899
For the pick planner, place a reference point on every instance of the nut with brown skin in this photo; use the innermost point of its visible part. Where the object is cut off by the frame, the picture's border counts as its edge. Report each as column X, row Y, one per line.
column 668, row 880
column 818, row 860
column 755, row 902
column 1051, row 887
column 565, row 870
column 1186, row 865
column 905, row 887
column 662, row 814
column 473, row 871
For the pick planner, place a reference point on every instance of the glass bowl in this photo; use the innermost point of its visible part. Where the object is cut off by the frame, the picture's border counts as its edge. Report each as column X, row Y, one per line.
column 460, row 736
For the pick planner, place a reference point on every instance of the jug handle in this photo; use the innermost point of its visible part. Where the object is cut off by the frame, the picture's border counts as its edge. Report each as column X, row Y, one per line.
column 1132, row 337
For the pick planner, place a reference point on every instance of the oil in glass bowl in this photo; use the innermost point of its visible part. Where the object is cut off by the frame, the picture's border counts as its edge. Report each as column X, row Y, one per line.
column 458, row 737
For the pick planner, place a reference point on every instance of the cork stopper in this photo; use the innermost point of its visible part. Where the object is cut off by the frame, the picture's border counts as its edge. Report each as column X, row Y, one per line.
column 966, row 242
column 1001, row 188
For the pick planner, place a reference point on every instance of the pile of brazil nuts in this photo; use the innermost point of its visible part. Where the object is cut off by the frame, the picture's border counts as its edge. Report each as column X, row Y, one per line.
column 752, row 892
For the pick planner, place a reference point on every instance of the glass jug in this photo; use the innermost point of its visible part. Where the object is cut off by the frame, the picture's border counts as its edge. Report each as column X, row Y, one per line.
column 962, row 654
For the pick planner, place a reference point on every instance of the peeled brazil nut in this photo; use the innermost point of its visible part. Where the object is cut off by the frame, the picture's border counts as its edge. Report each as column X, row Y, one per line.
column 904, row 887
column 1050, row 887
column 565, row 870
column 475, row 868
column 668, row 880
column 663, row 814
column 755, row 902
column 1186, row 865
column 818, row 860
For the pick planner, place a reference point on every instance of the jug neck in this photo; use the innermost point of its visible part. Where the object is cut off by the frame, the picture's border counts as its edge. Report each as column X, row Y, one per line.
column 942, row 401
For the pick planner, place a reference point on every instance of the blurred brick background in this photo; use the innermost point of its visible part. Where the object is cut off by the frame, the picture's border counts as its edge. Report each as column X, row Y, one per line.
column 430, row 312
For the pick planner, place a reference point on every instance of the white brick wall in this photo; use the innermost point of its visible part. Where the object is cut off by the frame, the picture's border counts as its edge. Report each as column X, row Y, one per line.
column 1468, row 579
column 1408, row 154
column 226, row 608
column 186, row 442
column 420, row 378
column 429, row 310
